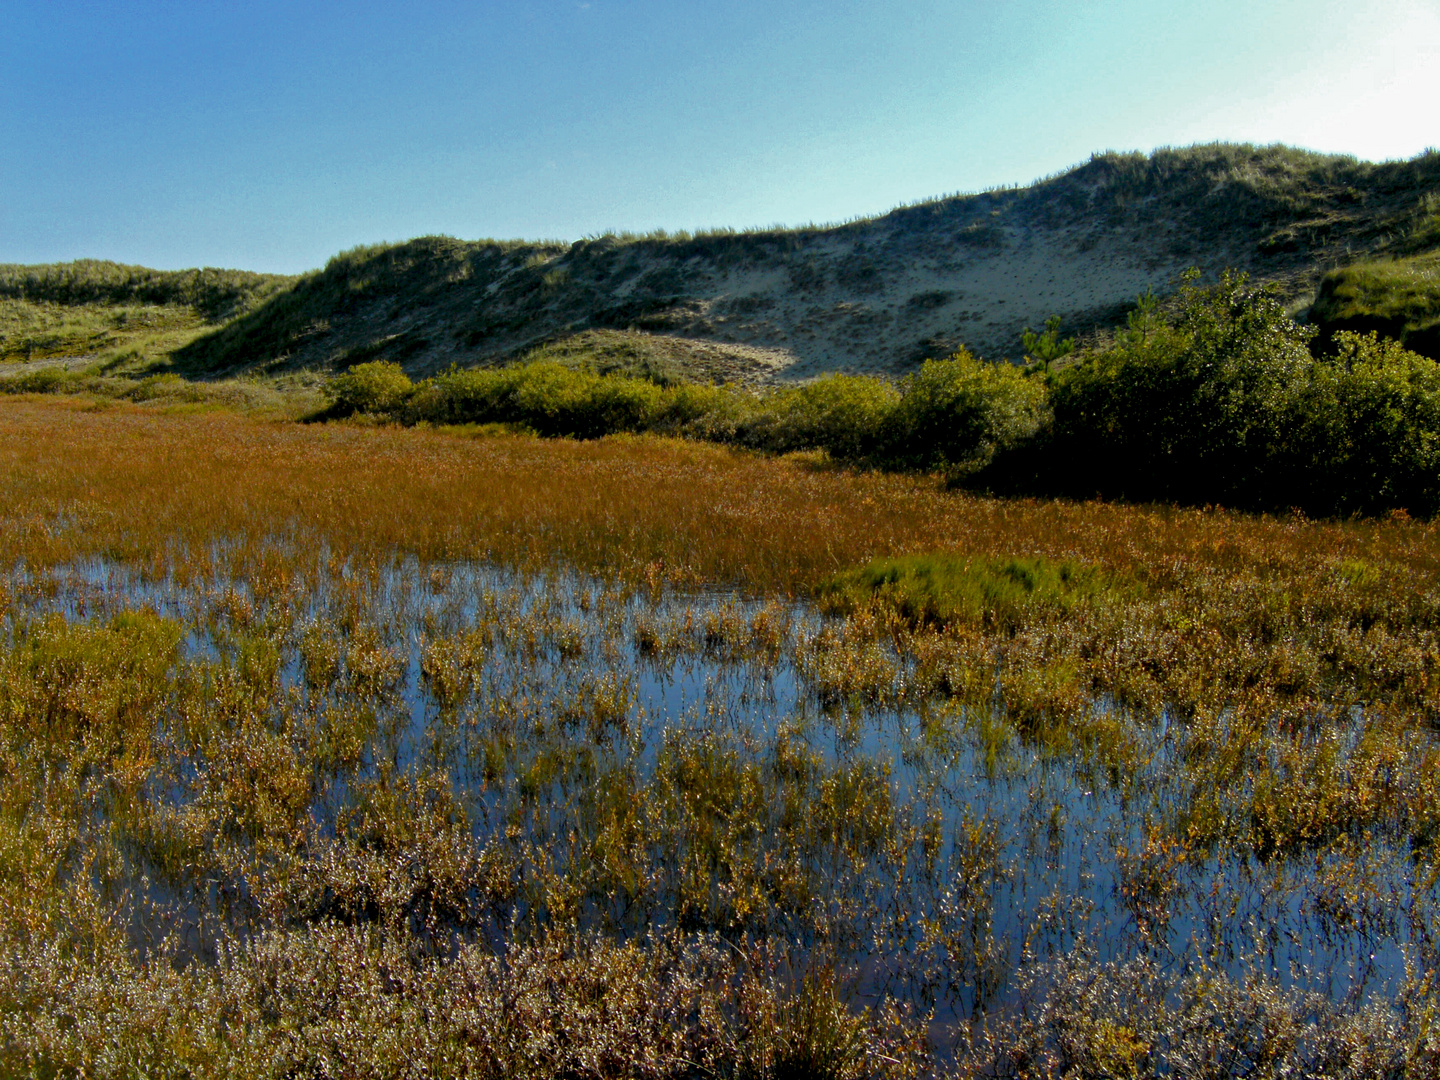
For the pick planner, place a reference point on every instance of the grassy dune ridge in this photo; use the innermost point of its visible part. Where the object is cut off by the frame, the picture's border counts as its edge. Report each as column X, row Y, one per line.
column 117, row 316
column 216, row 294
column 874, row 295
column 871, row 295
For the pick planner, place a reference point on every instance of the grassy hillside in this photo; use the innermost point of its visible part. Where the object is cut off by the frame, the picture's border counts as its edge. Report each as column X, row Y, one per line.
column 215, row 294
column 875, row 295
column 1399, row 298
column 870, row 295
column 116, row 315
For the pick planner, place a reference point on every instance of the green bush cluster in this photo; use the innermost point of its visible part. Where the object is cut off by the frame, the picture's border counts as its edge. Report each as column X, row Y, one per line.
column 849, row 417
column 954, row 414
column 1217, row 397
column 1224, row 401
column 552, row 399
column 959, row 414
column 375, row 387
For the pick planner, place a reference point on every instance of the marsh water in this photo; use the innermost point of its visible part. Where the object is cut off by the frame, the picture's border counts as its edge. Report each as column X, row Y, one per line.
column 647, row 758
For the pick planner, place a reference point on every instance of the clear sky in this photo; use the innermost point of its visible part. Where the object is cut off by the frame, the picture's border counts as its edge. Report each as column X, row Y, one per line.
column 269, row 135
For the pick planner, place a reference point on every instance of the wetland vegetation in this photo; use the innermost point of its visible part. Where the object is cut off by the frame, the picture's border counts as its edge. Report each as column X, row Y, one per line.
column 346, row 750
column 602, row 705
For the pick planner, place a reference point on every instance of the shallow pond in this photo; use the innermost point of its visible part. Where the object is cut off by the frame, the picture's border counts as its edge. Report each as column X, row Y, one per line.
column 627, row 761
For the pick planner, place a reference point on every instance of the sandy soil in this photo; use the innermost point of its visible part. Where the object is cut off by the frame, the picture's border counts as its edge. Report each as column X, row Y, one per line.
column 924, row 304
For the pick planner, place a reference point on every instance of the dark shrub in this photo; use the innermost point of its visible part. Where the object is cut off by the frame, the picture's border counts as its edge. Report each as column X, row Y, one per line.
column 1368, row 434
column 1198, row 410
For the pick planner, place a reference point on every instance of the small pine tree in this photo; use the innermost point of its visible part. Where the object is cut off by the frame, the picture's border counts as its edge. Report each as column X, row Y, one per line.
column 1146, row 315
column 1046, row 347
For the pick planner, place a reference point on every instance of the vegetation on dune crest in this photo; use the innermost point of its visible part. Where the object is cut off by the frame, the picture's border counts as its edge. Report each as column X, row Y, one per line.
column 1305, row 197
column 215, row 294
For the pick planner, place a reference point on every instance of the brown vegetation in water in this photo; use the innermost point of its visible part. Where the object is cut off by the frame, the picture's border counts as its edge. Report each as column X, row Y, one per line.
column 284, row 792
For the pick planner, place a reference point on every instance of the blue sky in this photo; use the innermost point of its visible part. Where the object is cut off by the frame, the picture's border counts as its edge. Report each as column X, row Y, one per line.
column 270, row 135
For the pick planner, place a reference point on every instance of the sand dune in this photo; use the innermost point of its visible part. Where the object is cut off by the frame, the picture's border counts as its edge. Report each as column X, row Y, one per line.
column 868, row 296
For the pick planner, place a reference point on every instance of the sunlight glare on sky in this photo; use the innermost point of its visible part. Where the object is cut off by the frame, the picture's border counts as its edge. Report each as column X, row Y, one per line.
column 270, row 135
column 1372, row 92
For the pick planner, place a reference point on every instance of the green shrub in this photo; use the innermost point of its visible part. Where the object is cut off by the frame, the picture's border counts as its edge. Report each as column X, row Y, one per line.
column 559, row 401
column 687, row 406
column 379, row 386
column 1368, row 435
column 50, row 380
column 958, row 414
column 1225, row 402
column 848, row 416
column 551, row 399
column 458, row 397
column 1200, row 410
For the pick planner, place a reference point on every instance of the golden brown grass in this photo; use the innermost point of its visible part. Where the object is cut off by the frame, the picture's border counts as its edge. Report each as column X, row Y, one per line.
column 79, row 480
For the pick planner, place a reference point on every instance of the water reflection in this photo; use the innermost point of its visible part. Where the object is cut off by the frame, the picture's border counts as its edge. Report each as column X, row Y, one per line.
column 530, row 694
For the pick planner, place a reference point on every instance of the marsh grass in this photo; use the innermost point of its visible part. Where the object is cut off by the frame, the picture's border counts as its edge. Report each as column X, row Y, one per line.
column 1003, row 594
column 379, row 751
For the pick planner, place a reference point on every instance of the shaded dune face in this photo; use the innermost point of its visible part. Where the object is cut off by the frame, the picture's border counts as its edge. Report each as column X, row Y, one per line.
column 870, row 296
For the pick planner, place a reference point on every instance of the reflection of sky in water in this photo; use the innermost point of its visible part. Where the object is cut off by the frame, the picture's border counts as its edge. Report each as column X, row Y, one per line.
column 1058, row 826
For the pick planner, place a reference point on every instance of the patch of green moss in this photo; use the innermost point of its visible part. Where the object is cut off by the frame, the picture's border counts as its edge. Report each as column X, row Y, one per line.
column 1001, row 593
